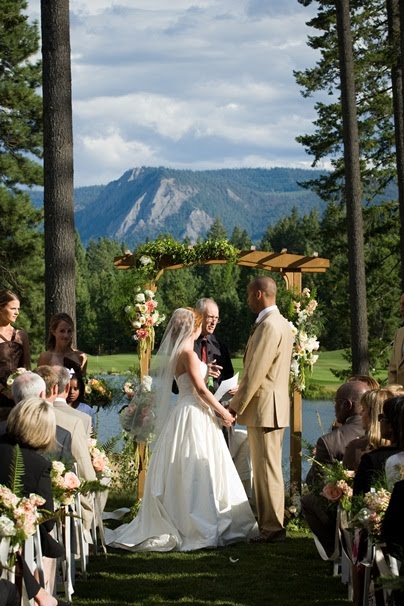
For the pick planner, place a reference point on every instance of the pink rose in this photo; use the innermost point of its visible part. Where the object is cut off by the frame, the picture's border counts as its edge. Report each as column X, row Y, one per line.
column 71, row 481
column 98, row 463
column 332, row 492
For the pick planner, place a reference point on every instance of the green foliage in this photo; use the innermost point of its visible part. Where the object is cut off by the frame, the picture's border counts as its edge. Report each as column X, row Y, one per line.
column 373, row 58
column 21, row 115
column 17, row 472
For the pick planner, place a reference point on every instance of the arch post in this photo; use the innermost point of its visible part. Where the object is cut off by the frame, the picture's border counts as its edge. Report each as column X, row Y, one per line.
column 294, row 282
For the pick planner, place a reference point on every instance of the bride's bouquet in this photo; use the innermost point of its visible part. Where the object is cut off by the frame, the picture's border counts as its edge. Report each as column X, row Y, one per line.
column 138, row 418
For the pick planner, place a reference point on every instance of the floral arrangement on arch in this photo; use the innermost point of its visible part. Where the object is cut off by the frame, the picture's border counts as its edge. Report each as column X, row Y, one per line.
column 19, row 517
column 304, row 327
column 65, row 484
column 144, row 316
column 138, row 418
column 97, row 391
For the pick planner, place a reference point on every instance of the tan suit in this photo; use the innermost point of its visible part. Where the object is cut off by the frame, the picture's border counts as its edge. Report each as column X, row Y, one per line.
column 263, row 405
column 396, row 365
column 85, row 419
column 81, row 454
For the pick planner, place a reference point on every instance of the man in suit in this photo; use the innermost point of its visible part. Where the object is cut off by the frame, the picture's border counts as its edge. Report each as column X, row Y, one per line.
column 262, row 404
column 209, row 348
column 396, row 365
column 60, row 402
column 74, row 424
column 330, row 448
column 30, row 384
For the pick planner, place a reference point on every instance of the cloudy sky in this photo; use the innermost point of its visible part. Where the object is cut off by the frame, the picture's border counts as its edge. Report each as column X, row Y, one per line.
column 187, row 84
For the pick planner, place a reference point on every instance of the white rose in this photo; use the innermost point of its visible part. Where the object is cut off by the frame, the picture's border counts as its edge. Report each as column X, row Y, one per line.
column 145, row 260
column 7, row 527
column 147, row 382
column 149, row 294
column 140, row 298
column 128, row 309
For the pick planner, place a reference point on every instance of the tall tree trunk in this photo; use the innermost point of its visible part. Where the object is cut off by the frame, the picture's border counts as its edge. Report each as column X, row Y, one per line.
column 395, row 8
column 58, row 160
column 353, row 193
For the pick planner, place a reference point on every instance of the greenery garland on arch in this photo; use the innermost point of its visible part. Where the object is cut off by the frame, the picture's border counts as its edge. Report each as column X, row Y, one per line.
column 151, row 257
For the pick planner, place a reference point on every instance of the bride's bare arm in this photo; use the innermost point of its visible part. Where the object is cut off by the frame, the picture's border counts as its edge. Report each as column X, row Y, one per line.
column 191, row 364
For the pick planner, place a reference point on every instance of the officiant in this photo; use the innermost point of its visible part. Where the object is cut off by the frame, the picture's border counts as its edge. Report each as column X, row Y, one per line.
column 212, row 350
column 209, row 348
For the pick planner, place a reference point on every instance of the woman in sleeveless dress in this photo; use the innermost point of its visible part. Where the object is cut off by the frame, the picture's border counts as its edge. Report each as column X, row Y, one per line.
column 14, row 344
column 193, row 496
column 59, row 346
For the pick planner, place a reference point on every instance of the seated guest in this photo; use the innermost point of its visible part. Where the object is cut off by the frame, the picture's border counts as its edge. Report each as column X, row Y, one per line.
column 370, row 471
column 28, row 385
column 395, row 464
column 60, row 402
column 330, row 448
column 372, row 405
column 73, row 424
column 31, row 424
column 393, row 532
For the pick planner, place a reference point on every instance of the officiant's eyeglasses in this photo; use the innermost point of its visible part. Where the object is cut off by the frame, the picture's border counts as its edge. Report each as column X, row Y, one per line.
column 213, row 319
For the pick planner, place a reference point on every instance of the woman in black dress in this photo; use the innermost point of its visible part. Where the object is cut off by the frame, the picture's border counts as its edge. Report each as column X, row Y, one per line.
column 14, row 344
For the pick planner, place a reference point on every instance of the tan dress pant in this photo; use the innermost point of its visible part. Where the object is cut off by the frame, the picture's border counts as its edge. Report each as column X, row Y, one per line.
column 266, row 458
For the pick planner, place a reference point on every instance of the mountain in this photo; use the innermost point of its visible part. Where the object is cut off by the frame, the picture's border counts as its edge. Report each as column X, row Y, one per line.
column 146, row 202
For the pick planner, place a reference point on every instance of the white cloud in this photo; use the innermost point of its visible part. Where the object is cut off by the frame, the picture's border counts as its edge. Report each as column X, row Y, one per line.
column 192, row 83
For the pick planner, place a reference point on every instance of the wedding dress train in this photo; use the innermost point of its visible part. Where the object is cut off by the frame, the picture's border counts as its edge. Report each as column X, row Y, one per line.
column 193, row 495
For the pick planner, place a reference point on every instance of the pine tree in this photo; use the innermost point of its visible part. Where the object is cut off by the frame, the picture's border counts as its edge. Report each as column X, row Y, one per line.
column 21, row 264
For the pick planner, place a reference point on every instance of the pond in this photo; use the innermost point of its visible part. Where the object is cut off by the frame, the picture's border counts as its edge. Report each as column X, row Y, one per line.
column 318, row 416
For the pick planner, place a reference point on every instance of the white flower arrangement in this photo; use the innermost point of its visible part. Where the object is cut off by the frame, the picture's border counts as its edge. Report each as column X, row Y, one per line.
column 305, row 342
column 144, row 316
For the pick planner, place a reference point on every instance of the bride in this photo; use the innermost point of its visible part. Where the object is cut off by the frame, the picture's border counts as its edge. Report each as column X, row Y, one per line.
column 193, row 496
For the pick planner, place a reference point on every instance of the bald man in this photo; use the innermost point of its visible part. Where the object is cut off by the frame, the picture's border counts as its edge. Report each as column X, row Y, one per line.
column 262, row 404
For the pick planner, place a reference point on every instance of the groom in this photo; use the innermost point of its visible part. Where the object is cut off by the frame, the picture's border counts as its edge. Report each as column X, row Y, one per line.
column 262, row 404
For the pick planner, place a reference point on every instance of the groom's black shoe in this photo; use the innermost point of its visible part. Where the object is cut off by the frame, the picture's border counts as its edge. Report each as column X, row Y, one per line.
column 276, row 536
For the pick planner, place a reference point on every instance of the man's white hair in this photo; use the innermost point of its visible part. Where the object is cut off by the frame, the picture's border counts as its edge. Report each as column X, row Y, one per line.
column 27, row 385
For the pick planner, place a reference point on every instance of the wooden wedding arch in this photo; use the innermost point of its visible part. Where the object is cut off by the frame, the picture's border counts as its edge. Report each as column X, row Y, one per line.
column 291, row 267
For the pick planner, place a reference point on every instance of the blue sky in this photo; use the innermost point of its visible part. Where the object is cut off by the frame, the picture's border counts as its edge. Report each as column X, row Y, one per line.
column 187, row 84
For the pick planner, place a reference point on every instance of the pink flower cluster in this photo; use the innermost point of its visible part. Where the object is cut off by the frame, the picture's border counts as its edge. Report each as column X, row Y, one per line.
column 99, row 459
column 144, row 316
column 65, row 484
column 19, row 516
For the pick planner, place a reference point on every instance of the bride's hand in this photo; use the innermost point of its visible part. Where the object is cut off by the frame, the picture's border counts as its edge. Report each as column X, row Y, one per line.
column 227, row 419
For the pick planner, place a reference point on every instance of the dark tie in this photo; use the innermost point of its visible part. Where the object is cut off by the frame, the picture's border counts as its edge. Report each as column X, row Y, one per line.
column 204, row 350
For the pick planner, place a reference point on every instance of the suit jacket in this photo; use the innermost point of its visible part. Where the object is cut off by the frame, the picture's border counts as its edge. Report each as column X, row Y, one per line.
column 60, row 403
column 216, row 350
column 262, row 399
column 371, row 468
column 396, row 365
column 80, row 447
column 81, row 454
column 331, row 446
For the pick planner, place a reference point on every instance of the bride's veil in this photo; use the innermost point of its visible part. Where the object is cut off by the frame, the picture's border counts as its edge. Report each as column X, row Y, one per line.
column 178, row 332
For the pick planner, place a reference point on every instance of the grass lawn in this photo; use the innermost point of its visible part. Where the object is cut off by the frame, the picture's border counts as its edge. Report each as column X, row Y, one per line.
column 287, row 574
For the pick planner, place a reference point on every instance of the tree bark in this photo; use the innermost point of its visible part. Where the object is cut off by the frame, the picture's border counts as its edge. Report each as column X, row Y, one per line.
column 395, row 8
column 353, row 193
column 60, row 293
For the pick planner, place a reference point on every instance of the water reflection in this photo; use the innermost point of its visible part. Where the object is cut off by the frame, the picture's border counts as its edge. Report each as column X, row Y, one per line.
column 318, row 416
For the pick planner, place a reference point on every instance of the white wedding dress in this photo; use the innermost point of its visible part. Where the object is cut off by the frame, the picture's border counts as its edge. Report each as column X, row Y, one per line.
column 193, row 497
